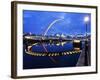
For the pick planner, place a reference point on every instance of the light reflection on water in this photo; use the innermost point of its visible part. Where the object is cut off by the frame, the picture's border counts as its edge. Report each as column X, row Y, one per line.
column 35, row 62
column 53, row 47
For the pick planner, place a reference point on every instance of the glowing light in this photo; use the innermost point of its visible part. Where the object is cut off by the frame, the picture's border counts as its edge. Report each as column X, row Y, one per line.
column 29, row 47
column 62, row 35
column 28, row 37
column 86, row 19
column 58, row 44
column 30, row 33
column 35, row 44
column 67, row 52
column 57, row 35
column 77, row 49
column 76, row 41
column 63, row 43
column 70, row 52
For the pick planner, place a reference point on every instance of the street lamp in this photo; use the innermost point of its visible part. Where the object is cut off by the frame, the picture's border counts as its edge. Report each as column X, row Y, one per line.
column 86, row 20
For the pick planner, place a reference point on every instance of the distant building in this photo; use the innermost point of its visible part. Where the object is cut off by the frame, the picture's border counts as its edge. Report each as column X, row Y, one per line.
column 57, row 35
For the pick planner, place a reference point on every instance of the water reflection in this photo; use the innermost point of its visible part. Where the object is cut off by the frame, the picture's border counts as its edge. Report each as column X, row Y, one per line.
column 50, row 54
column 52, row 47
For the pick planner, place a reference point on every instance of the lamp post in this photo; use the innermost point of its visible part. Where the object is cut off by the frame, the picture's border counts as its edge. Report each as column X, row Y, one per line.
column 86, row 20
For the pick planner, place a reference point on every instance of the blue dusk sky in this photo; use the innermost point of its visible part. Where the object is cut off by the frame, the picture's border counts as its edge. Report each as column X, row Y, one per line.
column 47, row 22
